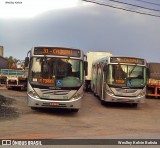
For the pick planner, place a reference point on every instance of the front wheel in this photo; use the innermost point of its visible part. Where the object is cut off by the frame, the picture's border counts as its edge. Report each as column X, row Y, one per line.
column 134, row 104
column 34, row 108
column 75, row 110
column 103, row 102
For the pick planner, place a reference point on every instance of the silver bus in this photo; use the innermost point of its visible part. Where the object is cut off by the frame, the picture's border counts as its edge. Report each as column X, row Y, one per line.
column 119, row 79
column 55, row 77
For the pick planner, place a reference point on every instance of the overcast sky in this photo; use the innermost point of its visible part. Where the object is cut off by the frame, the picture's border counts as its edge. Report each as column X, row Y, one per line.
column 78, row 24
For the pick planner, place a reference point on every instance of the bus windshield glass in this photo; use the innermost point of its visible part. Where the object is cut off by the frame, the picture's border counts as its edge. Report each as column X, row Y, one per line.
column 126, row 75
column 56, row 72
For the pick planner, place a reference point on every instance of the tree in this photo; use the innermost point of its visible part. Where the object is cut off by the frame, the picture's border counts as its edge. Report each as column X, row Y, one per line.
column 12, row 62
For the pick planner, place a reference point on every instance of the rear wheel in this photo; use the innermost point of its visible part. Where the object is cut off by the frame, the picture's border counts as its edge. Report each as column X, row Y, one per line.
column 9, row 88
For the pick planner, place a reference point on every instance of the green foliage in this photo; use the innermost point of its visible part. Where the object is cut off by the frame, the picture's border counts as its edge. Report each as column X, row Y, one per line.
column 12, row 62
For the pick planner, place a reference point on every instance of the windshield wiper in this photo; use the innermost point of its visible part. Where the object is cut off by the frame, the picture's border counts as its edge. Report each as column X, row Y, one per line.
column 132, row 70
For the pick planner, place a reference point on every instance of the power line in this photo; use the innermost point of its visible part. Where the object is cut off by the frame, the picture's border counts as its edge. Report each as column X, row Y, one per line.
column 120, row 8
column 156, row 4
column 134, row 5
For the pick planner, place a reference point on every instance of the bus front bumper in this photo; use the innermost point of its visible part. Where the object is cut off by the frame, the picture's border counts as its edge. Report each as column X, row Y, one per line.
column 42, row 103
column 112, row 98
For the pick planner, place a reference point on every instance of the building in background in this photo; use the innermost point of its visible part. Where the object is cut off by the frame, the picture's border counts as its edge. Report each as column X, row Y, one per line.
column 3, row 61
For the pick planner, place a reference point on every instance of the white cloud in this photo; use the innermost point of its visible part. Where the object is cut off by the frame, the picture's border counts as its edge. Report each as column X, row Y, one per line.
column 88, row 28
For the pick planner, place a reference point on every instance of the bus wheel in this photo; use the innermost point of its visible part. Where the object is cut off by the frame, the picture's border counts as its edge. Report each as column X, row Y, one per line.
column 134, row 104
column 9, row 88
column 103, row 102
column 95, row 94
column 21, row 88
column 34, row 108
column 75, row 110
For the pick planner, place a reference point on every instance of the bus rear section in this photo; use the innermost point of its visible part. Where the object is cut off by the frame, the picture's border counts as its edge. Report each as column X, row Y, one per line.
column 93, row 56
column 56, row 80
column 120, row 79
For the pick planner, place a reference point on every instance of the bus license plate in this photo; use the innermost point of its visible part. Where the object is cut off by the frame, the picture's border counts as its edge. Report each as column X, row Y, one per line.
column 54, row 104
column 124, row 100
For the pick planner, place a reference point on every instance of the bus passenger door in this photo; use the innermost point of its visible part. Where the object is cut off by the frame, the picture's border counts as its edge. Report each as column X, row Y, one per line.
column 104, row 82
column 94, row 78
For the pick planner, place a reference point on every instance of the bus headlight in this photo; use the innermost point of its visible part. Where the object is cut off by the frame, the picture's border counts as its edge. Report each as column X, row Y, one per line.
column 109, row 91
column 142, row 93
column 32, row 93
column 77, row 96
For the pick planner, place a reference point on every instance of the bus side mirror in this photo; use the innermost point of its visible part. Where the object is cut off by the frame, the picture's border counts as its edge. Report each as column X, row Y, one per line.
column 26, row 62
column 105, row 68
column 86, row 67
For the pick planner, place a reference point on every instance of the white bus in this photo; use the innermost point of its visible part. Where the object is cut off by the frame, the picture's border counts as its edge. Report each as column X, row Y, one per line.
column 119, row 79
column 55, row 77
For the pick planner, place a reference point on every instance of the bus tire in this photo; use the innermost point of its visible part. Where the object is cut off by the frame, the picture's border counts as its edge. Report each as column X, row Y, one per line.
column 95, row 94
column 75, row 110
column 103, row 102
column 34, row 108
column 134, row 104
column 21, row 88
column 9, row 88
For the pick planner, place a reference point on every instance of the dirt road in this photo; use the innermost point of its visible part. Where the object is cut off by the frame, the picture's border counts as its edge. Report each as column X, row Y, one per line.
column 93, row 120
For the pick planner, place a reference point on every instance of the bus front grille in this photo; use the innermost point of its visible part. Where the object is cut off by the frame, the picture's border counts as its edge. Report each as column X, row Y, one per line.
column 125, row 90
column 54, row 92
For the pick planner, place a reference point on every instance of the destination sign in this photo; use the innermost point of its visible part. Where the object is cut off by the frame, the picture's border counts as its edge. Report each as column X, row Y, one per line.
column 57, row 51
column 126, row 60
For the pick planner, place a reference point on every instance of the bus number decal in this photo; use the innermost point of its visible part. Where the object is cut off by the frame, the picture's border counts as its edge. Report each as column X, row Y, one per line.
column 120, row 81
column 45, row 51
column 46, row 81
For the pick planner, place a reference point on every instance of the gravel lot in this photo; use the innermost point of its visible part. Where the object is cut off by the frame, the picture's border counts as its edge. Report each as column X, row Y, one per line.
column 93, row 120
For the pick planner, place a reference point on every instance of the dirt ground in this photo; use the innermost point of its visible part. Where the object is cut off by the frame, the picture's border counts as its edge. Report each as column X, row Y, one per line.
column 93, row 120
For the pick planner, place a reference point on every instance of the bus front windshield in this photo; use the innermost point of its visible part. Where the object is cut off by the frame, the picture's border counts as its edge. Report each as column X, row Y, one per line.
column 56, row 72
column 126, row 75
